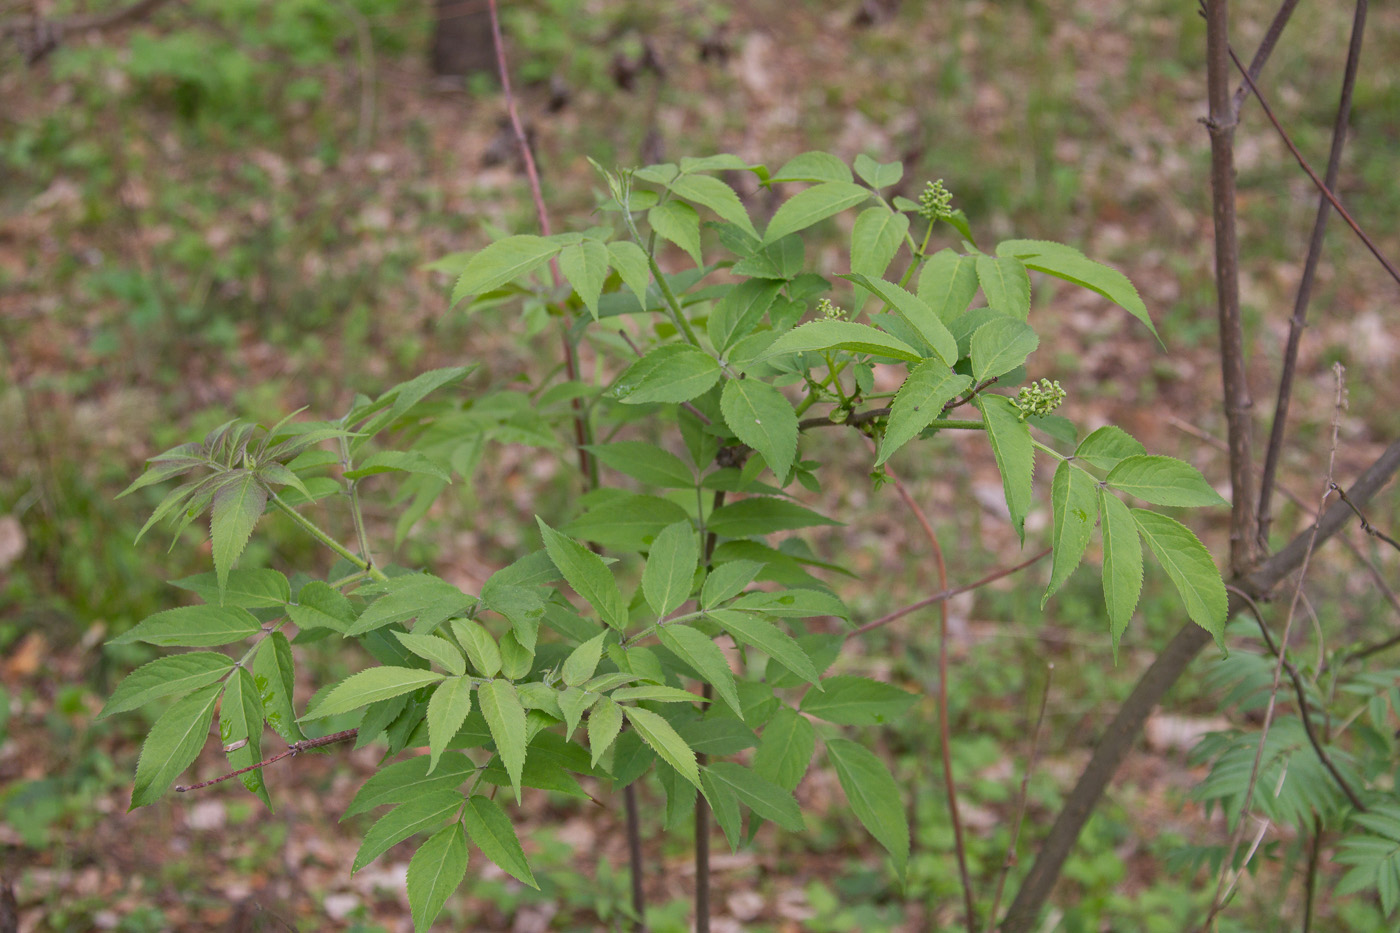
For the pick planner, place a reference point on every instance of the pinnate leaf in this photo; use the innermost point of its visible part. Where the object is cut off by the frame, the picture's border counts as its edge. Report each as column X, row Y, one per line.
column 762, row 418
column 1190, row 567
column 502, row 262
column 675, row 372
column 178, row 673
column 873, row 796
column 434, row 872
column 173, row 744
column 371, row 686
column 1122, row 564
column 1163, row 481
column 1075, row 508
column 919, row 401
column 490, row 828
column 505, row 717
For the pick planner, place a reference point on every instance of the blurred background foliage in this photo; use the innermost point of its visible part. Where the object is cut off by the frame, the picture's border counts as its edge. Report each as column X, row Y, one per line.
column 222, row 210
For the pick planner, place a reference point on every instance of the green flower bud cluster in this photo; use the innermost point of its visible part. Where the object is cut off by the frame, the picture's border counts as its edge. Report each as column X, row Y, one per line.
column 1040, row 398
column 831, row 312
column 936, row 202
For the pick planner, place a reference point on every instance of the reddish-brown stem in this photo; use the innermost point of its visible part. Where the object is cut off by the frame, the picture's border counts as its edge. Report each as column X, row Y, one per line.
column 303, row 745
column 945, row 735
column 1321, row 187
column 946, row 594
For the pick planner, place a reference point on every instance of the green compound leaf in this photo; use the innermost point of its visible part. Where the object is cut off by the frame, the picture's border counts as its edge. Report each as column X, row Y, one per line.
column 878, row 174
column 480, row 647
column 253, row 588
column 1075, row 509
column 785, row 748
column 192, row 627
column 319, row 605
column 587, row 574
column 999, row 346
column 409, row 779
column 727, row 580
column 397, row 461
column 1163, row 481
column 1107, row 447
column 948, row 283
column 274, row 675
column 1068, row 263
column 604, row 723
column 762, row 515
column 873, row 796
column 434, row 872
column 704, row 657
column 630, row 261
column 758, row 632
column 675, row 372
column 1122, row 564
column 585, row 265
column 505, row 717
column 670, row 568
column 813, row 166
column 915, row 312
column 371, row 686
column 1192, row 571
column 680, row 223
column 724, row 803
column 817, row 336
column 919, row 401
column 662, row 738
column 813, row 205
column 759, row 794
column 858, row 701
column 879, row 233
column 447, row 710
column 762, row 418
column 711, row 192
column 162, row 677
column 436, row 650
column 1011, row 443
column 421, row 596
column 238, row 504
column 583, row 661
column 502, row 262
column 644, row 462
column 740, row 310
column 173, row 744
column 1006, row 285
column 491, row 830
column 417, row 815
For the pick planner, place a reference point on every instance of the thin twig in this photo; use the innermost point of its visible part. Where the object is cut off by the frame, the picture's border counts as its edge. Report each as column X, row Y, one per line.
column 1326, row 191
column 293, row 749
column 946, row 594
column 1305, row 284
column 1366, row 526
column 945, row 741
column 1310, row 875
column 1238, row 836
column 1266, row 48
column 1021, row 798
